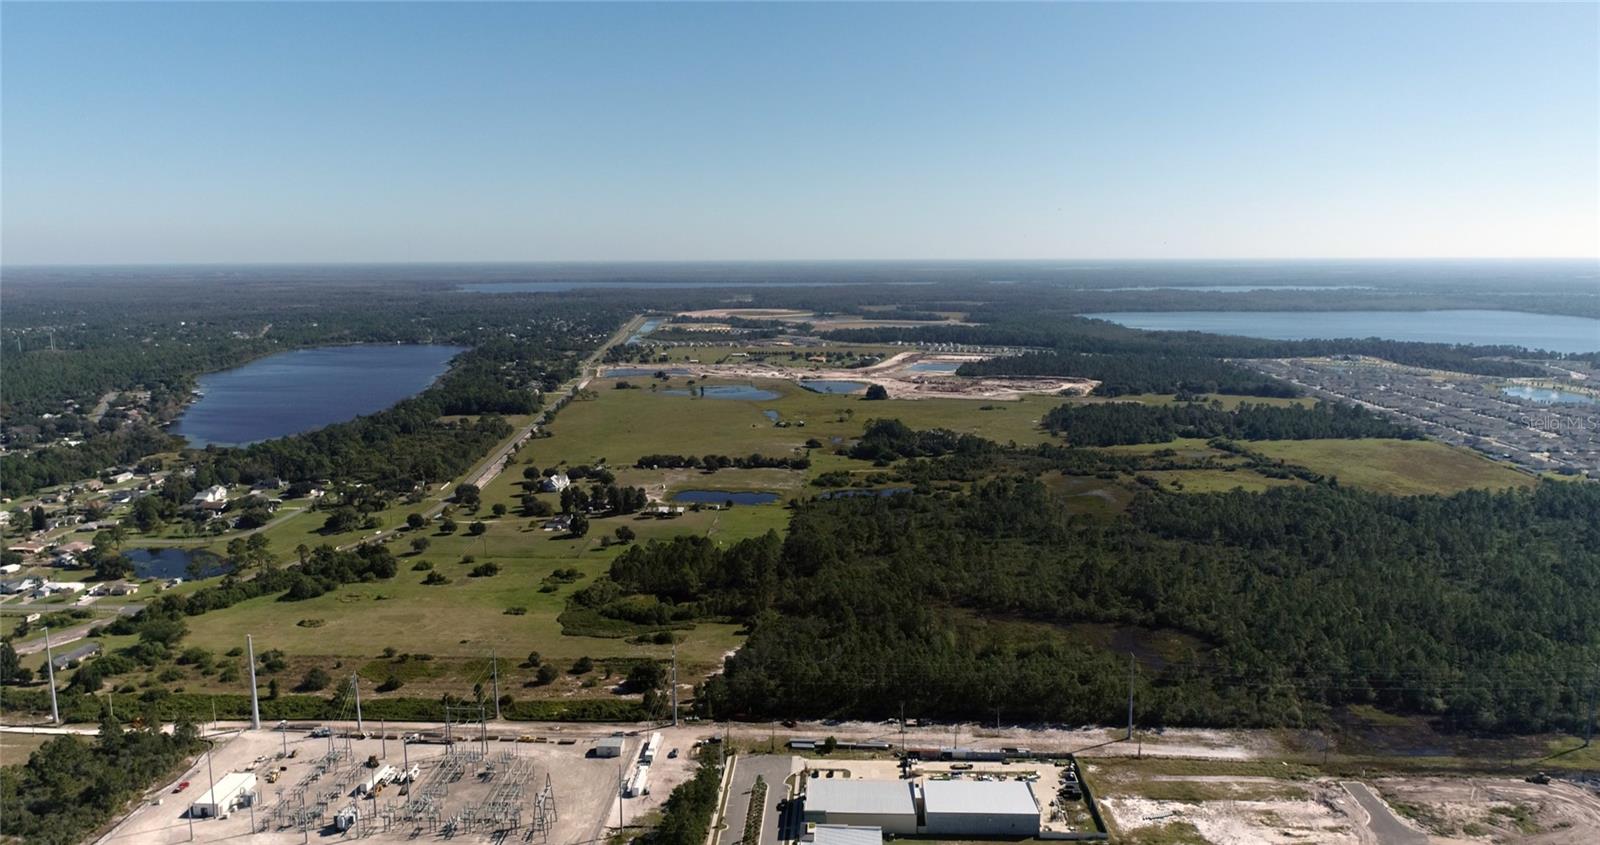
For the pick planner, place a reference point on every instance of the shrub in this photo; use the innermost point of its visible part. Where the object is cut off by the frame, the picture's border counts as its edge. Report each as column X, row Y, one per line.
column 435, row 579
column 390, row 684
column 582, row 666
column 484, row 570
column 421, row 566
column 315, row 678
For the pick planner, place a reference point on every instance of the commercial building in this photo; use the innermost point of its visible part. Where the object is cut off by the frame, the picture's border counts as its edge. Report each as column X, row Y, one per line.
column 884, row 804
column 958, row 809
column 234, row 790
column 979, row 808
column 843, row 834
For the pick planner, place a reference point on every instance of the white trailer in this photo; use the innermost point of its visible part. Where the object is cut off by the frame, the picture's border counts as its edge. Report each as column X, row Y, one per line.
column 380, row 777
column 651, row 749
column 235, row 789
column 639, row 784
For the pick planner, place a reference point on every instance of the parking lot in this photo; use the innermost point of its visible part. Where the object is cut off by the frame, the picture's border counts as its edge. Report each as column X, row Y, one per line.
column 536, row 788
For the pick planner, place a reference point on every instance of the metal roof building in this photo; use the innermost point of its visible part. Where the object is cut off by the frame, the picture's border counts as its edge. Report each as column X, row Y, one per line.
column 840, row 834
column 980, row 808
column 885, row 804
column 610, row 746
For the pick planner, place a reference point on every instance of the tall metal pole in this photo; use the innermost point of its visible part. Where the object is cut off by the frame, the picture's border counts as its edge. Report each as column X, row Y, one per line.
column 383, row 737
column 255, row 695
column 355, row 684
column 1130, row 695
column 495, row 666
column 50, row 669
column 675, row 681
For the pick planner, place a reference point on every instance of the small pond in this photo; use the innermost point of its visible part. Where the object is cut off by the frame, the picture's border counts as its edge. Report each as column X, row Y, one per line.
column 817, row 385
column 176, row 563
column 718, row 497
column 771, row 415
column 726, row 391
column 936, row 367
column 1548, row 396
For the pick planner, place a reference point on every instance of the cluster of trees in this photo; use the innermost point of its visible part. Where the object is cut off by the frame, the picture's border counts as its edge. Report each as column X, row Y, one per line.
column 1118, row 423
column 70, row 786
column 712, row 463
column 886, row 440
column 24, row 472
column 609, row 498
column 1480, row 609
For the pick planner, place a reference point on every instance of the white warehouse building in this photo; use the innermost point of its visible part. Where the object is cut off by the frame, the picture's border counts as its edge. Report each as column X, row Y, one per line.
column 886, row 804
column 979, row 808
column 234, row 790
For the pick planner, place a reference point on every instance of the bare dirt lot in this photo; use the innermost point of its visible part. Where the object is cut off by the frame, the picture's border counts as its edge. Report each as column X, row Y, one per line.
column 1460, row 810
column 902, row 379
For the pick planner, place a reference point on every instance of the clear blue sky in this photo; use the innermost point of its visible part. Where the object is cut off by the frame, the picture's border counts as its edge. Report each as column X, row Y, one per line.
column 357, row 132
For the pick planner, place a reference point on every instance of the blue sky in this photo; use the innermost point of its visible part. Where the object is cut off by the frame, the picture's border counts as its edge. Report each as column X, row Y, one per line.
column 460, row 132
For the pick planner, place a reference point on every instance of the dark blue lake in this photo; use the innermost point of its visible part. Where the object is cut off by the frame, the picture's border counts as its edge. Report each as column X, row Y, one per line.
column 306, row 389
column 1476, row 326
column 820, row 385
column 935, row 366
column 726, row 391
column 717, row 497
column 175, row 563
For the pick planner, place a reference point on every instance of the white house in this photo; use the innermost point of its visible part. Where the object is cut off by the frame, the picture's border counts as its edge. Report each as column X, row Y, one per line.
column 212, row 495
column 556, row 483
column 121, row 477
column 65, row 586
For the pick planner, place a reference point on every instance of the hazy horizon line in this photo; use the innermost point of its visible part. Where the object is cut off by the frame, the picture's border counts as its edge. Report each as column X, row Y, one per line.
column 689, row 261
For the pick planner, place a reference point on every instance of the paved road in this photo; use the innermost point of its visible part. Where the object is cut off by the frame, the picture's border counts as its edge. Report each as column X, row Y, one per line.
column 62, row 636
column 1380, row 819
column 772, row 768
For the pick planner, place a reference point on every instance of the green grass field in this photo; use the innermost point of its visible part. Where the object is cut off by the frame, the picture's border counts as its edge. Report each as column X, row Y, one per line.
column 1399, row 467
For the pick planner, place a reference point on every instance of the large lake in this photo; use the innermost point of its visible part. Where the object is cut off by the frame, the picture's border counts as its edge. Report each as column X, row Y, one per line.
column 1515, row 328
column 298, row 391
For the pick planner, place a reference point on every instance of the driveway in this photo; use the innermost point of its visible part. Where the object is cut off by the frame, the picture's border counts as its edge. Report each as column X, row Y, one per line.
column 774, row 769
column 1380, row 819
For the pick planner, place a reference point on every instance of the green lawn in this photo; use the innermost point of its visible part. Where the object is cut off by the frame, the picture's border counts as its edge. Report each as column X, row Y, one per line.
column 1399, row 467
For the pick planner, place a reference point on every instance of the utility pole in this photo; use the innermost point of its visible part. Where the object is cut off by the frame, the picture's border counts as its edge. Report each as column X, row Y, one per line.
column 255, row 695
column 355, row 684
column 1130, row 695
column 383, row 737
column 212, row 776
column 494, row 665
column 674, row 681
column 50, row 669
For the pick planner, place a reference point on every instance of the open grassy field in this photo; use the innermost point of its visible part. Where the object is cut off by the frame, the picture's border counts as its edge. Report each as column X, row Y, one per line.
column 1399, row 467
column 467, row 617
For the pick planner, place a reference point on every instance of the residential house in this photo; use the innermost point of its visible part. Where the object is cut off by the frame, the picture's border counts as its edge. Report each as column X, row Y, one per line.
column 556, row 483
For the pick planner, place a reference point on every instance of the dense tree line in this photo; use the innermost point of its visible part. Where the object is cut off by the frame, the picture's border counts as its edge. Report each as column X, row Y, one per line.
column 1480, row 609
column 1121, row 375
column 1066, row 334
column 712, row 463
column 71, row 786
column 1117, row 423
